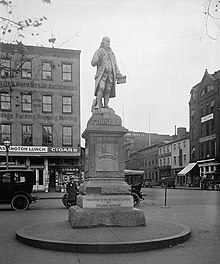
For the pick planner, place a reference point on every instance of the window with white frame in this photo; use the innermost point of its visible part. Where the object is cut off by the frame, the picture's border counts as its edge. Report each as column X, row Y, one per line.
column 66, row 72
column 5, row 68
column 47, row 103
column 67, row 104
column 5, row 133
column 26, row 101
column 26, row 69
column 27, row 135
column 46, row 70
column 67, row 135
column 5, row 101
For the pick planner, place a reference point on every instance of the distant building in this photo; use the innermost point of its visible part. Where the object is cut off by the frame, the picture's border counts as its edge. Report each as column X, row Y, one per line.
column 174, row 156
column 40, row 112
column 138, row 140
column 204, row 108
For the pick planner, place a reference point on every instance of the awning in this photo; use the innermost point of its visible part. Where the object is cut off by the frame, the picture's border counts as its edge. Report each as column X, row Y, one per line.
column 187, row 168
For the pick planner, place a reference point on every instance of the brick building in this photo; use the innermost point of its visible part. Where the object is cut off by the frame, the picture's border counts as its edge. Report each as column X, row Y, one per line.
column 40, row 112
column 204, row 108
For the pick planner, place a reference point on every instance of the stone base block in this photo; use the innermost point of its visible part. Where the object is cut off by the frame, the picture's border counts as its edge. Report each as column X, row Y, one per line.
column 105, row 201
column 126, row 217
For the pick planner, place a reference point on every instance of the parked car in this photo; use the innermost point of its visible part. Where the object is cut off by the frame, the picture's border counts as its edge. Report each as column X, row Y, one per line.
column 168, row 182
column 16, row 187
column 148, row 183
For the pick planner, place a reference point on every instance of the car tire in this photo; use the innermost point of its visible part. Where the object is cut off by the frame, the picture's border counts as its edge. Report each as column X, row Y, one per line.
column 136, row 199
column 20, row 202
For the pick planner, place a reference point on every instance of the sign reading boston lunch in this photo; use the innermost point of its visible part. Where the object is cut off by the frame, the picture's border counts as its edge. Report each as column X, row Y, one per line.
column 107, row 157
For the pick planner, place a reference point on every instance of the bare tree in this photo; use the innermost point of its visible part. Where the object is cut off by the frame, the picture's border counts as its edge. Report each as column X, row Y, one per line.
column 211, row 22
column 17, row 28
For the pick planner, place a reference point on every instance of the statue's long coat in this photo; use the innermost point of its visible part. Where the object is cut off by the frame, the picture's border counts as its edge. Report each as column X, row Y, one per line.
column 100, row 60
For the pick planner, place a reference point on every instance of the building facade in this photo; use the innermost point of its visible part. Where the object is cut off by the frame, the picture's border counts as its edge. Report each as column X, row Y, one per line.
column 40, row 112
column 204, row 109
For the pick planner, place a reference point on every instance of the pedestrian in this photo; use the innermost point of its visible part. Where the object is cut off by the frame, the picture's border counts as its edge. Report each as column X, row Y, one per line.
column 71, row 190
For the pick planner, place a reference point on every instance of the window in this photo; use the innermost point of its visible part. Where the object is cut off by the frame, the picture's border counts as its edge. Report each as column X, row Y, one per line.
column 207, row 89
column 67, row 136
column 212, row 126
column 67, row 104
column 207, row 128
column 47, row 136
column 184, row 158
column 27, row 135
column 201, row 111
column 47, row 103
column 213, row 148
column 168, row 161
column 207, row 149
column 26, row 100
column 5, row 133
column 202, row 150
column 47, row 70
column 174, row 160
column 212, row 104
column 5, row 177
column 5, row 67
column 174, row 147
column 184, row 144
column 178, row 145
column 66, row 72
column 26, row 71
column 5, row 101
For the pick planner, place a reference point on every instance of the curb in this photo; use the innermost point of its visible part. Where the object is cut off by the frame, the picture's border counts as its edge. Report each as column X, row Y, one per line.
column 120, row 243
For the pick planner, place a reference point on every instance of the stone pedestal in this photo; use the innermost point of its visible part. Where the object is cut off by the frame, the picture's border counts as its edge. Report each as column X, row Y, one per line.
column 104, row 198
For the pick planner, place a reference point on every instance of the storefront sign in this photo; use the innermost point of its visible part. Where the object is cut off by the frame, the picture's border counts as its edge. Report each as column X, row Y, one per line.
column 40, row 149
column 63, row 150
column 38, row 85
column 39, row 117
column 206, row 118
column 26, row 149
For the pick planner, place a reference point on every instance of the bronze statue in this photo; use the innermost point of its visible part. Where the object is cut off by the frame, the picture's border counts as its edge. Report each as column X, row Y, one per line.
column 107, row 74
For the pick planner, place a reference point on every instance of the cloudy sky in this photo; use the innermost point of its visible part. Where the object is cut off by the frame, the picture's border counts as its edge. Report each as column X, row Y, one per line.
column 160, row 45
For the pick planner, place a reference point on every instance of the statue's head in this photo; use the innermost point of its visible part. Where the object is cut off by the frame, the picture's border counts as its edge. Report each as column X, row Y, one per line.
column 106, row 41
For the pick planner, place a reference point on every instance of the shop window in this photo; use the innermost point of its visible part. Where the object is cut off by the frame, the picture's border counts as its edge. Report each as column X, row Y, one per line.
column 66, row 72
column 67, row 136
column 26, row 69
column 47, row 136
column 67, row 104
column 26, row 100
column 5, row 101
column 5, row 133
column 47, row 103
column 27, row 135
column 47, row 70
column 5, row 68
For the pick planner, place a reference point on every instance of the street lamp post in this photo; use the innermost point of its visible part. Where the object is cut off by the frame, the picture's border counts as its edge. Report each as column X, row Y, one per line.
column 7, row 146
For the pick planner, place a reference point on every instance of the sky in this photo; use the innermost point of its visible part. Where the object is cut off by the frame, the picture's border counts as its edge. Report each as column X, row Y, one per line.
column 159, row 45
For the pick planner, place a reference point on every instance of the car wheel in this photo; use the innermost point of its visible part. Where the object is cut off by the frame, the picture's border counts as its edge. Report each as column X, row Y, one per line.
column 136, row 199
column 20, row 202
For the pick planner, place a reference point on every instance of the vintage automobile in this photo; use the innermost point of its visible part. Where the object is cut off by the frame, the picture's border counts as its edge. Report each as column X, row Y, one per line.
column 135, row 179
column 168, row 182
column 16, row 187
column 210, row 181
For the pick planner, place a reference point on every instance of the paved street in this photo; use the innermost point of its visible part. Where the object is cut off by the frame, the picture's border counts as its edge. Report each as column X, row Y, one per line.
column 198, row 209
